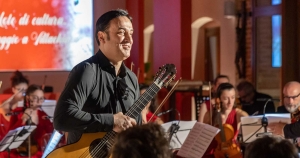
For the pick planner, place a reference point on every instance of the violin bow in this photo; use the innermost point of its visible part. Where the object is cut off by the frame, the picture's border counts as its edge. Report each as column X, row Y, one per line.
column 210, row 105
column 167, row 97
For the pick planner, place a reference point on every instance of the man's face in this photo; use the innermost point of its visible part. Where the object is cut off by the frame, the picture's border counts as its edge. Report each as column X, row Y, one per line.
column 118, row 39
column 291, row 98
column 246, row 97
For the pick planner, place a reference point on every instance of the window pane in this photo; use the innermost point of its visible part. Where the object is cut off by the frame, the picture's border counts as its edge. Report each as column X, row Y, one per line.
column 261, row 3
column 276, row 41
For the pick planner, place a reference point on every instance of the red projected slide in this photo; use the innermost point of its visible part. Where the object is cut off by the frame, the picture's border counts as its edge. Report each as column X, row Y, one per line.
column 45, row 35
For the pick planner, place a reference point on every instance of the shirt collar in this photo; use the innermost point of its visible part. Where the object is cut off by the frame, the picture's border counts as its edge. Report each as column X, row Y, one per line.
column 105, row 63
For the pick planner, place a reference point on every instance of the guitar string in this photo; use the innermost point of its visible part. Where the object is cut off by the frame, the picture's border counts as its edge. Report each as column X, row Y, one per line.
column 97, row 150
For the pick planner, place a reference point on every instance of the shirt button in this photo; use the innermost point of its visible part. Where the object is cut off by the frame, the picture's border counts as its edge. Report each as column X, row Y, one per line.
column 112, row 67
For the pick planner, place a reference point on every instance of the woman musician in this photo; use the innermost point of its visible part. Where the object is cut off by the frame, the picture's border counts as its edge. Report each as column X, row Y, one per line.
column 228, row 113
column 32, row 114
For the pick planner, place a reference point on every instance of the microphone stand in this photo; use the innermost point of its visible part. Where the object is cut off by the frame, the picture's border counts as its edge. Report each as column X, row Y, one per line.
column 174, row 129
column 264, row 124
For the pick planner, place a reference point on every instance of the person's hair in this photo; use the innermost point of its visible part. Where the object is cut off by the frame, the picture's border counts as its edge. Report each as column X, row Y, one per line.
column 153, row 105
column 18, row 78
column 274, row 147
column 103, row 22
column 220, row 76
column 245, row 86
column 31, row 89
column 222, row 87
column 143, row 141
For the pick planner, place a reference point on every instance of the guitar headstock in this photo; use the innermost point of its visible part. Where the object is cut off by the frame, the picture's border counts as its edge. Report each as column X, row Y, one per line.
column 165, row 75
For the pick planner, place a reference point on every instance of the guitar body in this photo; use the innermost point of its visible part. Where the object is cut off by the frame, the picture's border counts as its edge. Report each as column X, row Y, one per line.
column 78, row 149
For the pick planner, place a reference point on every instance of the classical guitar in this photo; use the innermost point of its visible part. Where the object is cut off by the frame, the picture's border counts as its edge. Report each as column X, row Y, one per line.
column 97, row 145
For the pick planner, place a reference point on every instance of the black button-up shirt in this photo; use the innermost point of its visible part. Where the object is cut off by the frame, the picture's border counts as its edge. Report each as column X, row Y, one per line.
column 92, row 94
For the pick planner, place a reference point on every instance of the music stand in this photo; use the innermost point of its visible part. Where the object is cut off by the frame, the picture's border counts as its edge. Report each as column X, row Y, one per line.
column 177, row 137
column 251, row 127
column 14, row 138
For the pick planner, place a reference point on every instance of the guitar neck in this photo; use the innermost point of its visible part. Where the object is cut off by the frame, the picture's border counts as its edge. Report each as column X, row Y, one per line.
column 143, row 100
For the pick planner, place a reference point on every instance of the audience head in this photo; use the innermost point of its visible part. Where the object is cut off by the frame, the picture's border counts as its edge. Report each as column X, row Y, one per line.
column 144, row 141
column 34, row 97
column 103, row 23
column 226, row 95
column 274, row 147
column 291, row 95
column 246, row 92
column 19, row 84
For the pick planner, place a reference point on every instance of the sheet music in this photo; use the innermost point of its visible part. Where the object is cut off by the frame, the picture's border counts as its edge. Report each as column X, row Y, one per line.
column 198, row 140
column 251, row 124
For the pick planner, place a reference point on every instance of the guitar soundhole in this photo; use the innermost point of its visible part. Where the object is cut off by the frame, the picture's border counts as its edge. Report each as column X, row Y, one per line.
column 95, row 152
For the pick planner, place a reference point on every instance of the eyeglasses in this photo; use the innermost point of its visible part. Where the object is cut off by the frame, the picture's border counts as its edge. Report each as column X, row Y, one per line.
column 36, row 98
column 291, row 97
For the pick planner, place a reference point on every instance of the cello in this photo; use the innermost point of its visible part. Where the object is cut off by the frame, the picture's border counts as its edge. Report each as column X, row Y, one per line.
column 226, row 147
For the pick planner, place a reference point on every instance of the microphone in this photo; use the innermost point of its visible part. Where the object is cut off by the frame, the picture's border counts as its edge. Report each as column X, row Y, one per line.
column 12, row 113
column 267, row 99
column 165, row 112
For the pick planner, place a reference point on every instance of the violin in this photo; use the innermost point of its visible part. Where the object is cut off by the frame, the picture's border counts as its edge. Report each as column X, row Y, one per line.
column 226, row 147
column 295, row 116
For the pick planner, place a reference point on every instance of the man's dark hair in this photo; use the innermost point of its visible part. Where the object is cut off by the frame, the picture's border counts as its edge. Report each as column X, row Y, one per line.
column 103, row 22
column 274, row 147
column 220, row 76
column 144, row 141
column 245, row 86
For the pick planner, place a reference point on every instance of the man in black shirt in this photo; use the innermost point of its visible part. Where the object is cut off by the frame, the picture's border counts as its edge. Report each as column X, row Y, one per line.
column 101, row 89
column 252, row 101
column 291, row 94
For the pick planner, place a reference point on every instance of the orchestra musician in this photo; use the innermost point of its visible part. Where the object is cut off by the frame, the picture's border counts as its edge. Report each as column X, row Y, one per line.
column 205, row 107
column 19, row 84
column 32, row 114
column 230, row 115
column 101, row 89
column 291, row 95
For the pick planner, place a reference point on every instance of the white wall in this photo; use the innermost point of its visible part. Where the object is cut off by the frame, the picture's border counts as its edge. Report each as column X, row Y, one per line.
column 215, row 10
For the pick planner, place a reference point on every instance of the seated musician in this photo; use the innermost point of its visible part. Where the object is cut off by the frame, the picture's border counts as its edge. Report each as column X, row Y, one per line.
column 204, row 107
column 291, row 95
column 228, row 112
column 34, row 115
column 144, row 141
column 150, row 108
column 250, row 99
column 19, row 84
column 274, row 147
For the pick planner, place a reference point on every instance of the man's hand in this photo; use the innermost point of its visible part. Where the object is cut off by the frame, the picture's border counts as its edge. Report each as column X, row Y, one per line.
column 276, row 128
column 122, row 122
